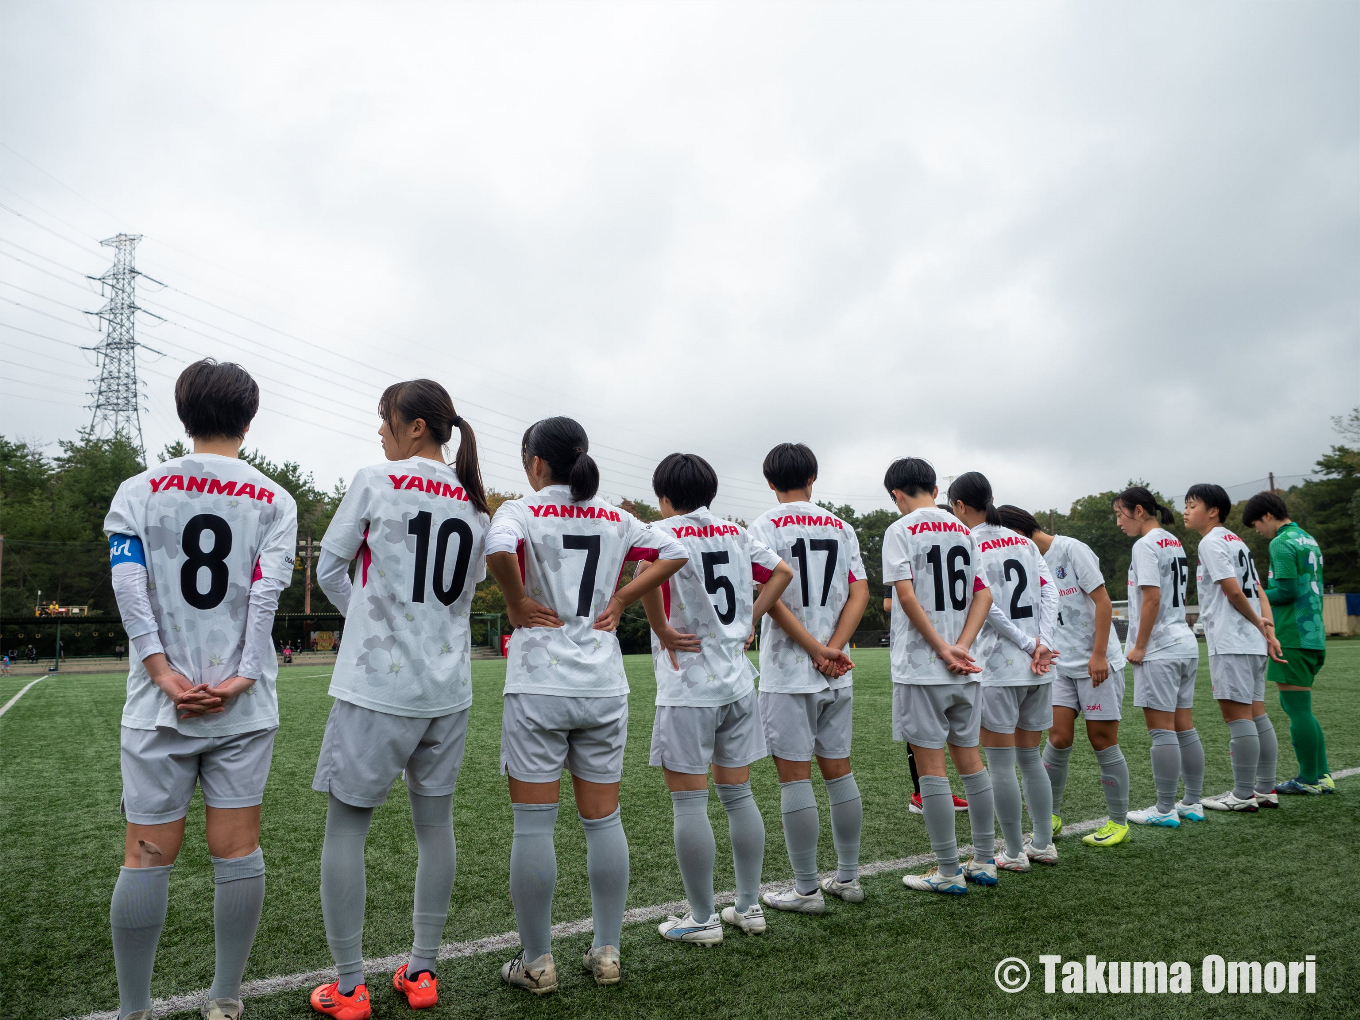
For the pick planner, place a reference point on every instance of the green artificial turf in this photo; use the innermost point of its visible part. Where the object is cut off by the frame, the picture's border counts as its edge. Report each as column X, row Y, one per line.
column 1268, row 887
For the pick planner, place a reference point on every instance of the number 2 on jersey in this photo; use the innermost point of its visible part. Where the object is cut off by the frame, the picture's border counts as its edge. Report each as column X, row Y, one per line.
column 1018, row 612
column 1249, row 581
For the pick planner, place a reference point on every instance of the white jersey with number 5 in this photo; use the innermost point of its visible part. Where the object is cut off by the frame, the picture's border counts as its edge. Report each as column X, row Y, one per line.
column 1159, row 560
column 1076, row 573
column 570, row 556
column 936, row 552
column 421, row 547
column 1223, row 555
column 824, row 553
column 209, row 526
column 710, row 597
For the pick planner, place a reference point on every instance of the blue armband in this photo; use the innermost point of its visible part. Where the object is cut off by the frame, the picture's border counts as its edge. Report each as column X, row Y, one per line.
column 126, row 549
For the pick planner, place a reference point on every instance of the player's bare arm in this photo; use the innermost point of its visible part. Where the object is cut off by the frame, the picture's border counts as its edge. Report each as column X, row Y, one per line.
column 822, row 656
column 651, row 579
column 1273, row 647
column 770, row 593
column 1098, row 666
column 522, row 610
column 1147, row 619
column 671, row 639
column 955, row 657
column 972, row 626
column 190, row 699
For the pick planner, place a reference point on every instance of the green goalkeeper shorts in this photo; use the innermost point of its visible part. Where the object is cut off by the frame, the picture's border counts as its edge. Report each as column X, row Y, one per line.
column 1299, row 671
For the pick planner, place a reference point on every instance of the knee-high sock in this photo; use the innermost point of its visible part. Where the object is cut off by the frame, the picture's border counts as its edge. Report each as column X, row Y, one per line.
column 1192, row 764
column 937, row 808
column 1055, row 764
column 1270, row 753
column 1114, row 782
column 747, row 830
column 1166, row 767
column 694, row 849
column 977, row 787
column 137, row 915
column 798, row 804
column 607, row 867
column 847, row 818
column 238, row 898
column 1244, row 744
column 915, row 776
column 1303, row 732
column 1006, row 797
column 1038, row 795
column 435, row 869
column 533, row 875
column 343, row 888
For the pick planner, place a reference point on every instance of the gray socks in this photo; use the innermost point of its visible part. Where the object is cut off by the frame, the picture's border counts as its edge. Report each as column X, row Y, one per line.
column 937, row 808
column 847, row 818
column 533, row 874
column 798, row 805
column 1055, row 764
column 977, row 787
column 238, row 898
column 1270, row 752
column 607, row 866
column 1192, row 764
column 435, row 868
column 747, row 830
column 694, row 849
column 343, row 888
column 1006, row 794
column 137, row 915
column 1038, row 796
column 1244, row 744
column 1166, row 768
column 1114, row 781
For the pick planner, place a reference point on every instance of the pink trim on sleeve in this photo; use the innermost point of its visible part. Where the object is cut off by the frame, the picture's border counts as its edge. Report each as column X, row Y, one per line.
column 978, row 583
column 666, row 597
column 519, row 555
column 853, row 578
column 760, row 574
column 366, row 555
column 258, row 574
column 639, row 552
column 1042, row 580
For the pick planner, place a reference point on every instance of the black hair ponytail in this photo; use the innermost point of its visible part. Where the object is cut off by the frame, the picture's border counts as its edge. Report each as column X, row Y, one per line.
column 564, row 446
column 427, row 400
column 1140, row 495
column 973, row 490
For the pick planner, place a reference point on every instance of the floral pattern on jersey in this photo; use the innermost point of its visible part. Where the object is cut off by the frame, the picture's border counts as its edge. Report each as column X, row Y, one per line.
column 381, row 660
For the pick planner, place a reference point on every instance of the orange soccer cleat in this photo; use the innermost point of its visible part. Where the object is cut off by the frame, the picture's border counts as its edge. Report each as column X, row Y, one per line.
column 328, row 999
column 421, row 992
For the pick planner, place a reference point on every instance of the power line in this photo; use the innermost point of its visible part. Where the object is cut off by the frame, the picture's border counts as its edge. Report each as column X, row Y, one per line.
column 117, row 394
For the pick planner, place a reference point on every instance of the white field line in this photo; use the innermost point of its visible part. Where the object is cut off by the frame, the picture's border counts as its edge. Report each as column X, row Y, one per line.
column 307, row 980
column 10, row 703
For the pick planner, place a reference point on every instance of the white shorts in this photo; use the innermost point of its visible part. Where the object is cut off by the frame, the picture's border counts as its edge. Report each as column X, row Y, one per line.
column 162, row 766
column 1164, row 685
column 541, row 734
column 1105, row 701
column 797, row 726
column 932, row 715
column 364, row 751
column 1238, row 677
column 688, row 738
column 1007, row 709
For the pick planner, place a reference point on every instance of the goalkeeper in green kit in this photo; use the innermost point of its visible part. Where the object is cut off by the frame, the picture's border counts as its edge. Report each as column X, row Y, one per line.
column 1295, row 594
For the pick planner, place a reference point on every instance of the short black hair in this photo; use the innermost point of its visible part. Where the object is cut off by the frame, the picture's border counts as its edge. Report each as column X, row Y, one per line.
column 910, row 476
column 1214, row 497
column 1016, row 519
column 789, row 466
column 1264, row 503
column 687, row 480
column 216, row 400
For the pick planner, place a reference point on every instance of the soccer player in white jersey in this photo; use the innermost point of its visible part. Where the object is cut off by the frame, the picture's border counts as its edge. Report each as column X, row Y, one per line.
column 805, row 680
column 1090, row 673
column 706, row 711
column 201, row 547
column 940, row 604
column 557, row 556
column 1014, row 650
column 1165, row 656
column 402, row 679
column 1238, row 627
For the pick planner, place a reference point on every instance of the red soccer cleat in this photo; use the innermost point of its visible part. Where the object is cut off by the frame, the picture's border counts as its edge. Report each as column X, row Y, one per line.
column 328, row 1000
column 959, row 803
column 916, row 808
column 421, row 992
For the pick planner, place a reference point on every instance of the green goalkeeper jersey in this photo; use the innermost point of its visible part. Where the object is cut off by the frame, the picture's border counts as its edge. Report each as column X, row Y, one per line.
column 1295, row 588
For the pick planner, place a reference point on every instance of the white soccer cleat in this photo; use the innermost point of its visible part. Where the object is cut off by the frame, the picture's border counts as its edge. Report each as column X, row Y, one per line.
column 1041, row 854
column 222, row 1009
column 1231, row 802
column 850, row 892
column 1151, row 816
column 751, row 920
column 1267, row 800
column 795, row 902
column 536, row 976
column 1190, row 812
column 983, row 872
column 604, row 963
column 933, row 881
column 1018, row 863
column 686, row 929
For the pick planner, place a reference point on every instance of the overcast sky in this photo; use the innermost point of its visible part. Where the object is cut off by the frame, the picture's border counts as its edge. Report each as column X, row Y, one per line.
column 1063, row 244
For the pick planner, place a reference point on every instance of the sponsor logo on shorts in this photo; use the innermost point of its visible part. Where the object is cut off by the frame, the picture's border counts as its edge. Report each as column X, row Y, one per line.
column 1094, row 708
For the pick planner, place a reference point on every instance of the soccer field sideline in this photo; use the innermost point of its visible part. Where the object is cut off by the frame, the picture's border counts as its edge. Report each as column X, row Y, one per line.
column 305, row 980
